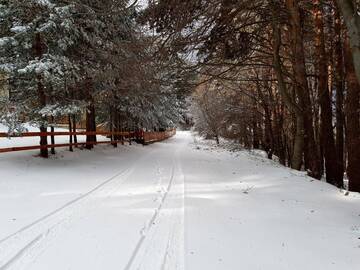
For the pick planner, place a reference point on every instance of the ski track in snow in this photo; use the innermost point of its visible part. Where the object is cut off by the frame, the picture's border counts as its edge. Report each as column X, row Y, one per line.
column 46, row 224
column 169, row 249
column 35, row 237
column 67, row 205
column 142, row 254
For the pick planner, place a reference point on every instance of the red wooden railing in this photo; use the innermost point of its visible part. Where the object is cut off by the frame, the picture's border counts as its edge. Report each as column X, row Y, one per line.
column 120, row 137
column 66, row 133
column 150, row 137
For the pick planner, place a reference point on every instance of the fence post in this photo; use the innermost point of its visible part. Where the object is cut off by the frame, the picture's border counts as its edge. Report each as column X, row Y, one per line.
column 52, row 129
column 70, row 137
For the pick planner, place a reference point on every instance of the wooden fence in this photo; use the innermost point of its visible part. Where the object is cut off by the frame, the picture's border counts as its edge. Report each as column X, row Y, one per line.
column 114, row 138
column 150, row 137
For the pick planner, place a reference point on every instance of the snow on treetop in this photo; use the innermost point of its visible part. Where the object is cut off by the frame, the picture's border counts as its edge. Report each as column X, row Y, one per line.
column 6, row 40
column 19, row 29
column 44, row 3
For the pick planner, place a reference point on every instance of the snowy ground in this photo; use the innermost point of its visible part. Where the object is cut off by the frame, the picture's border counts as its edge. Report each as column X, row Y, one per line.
column 178, row 204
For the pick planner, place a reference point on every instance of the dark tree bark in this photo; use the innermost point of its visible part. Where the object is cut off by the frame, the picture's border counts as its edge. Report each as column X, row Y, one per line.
column 217, row 140
column 111, row 125
column 256, row 139
column 90, row 116
column 352, row 112
column 279, row 147
column 298, row 148
column 311, row 155
column 39, row 51
column 74, row 127
column 70, row 136
column 327, row 135
column 269, row 135
column 268, row 143
column 52, row 129
column 90, row 126
column 339, row 88
column 351, row 16
column 117, row 126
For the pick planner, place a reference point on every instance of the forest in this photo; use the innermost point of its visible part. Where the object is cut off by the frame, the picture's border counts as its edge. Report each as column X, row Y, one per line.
column 179, row 134
column 277, row 75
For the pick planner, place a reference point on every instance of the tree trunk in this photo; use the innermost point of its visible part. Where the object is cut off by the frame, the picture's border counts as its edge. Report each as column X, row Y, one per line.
column 352, row 111
column 268, row 143
column 280, row 150
column 297, row 156
column 44, row 152
column 90, row 126
column 70, row 136
column 256, row 125
column 217, row 139
column 269, row 135
column 299, row 143
column 255, row 135
column 339, row 88
column 327, row 135
column 74, row 128
column 312, row 160
column 111, row 126
column 90, row 116
column 39, row 51
column 351, row 16
column 52, row 129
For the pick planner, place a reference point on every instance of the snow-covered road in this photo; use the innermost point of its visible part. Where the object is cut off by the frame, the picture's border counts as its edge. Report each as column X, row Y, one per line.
column 172, row 205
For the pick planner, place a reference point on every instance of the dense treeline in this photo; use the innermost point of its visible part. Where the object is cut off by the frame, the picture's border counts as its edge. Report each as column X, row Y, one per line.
column 84, row 59
column 281, row 75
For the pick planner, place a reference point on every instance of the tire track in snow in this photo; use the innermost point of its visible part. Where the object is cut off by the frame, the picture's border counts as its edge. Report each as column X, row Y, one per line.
column 21, row 252
column 151, row 222
column 166, row 256
column 67, row 205
column 48, row 225
column 162, row 244
column 45, row 229
column 180, row 262
column 164, row 249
